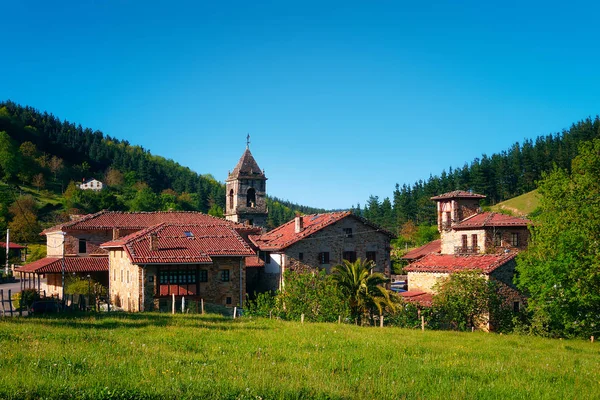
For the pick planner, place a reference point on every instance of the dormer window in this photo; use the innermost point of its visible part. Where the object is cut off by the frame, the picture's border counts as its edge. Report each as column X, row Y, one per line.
column 188, row 234
column 82, row 246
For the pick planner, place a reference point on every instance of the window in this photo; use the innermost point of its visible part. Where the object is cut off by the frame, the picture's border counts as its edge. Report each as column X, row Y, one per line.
column 474, row 242
column 464, row 242
column 300, row 256
column 228, row 300
column 514, row 239
column 121, row 276
column 180, row 282
column 516, row 306
column 251, row 198
column 324, row 258
column 372, row 256
column 349, row 256
column 497, row 239
column 114, row 274
column 348, row 232
column 224, row 275
column 82, row 246
column 231, row 199
column 203, row 275
column 265, row 256
column 188, row 234
column 127, row 276
column 250, row 222
column 448, row 217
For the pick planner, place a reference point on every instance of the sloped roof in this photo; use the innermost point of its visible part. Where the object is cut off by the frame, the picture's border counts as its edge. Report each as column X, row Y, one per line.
column 285, row 235
column 11, row 246
column 431, row 247
column 458, row 194
column 491, row 219
column 254, row 262
column 247, row 167
column 139, row 220
column 449, row 263
column 418, row 297
column 182, row 244
column 72, row 264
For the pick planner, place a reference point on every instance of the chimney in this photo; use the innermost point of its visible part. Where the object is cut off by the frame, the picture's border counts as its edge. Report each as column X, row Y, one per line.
column 115, row 233
column 299, row 223
column 153, row 242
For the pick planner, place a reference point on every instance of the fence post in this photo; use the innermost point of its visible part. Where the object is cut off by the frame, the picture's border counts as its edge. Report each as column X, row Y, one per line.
column 10, row 302
column 234, row 312
column 302, row 318
column 381, row 321
column 339, row 319
column 2, row 300
column 423, row 323
column 270, row 314
column 173, row 304
column 592, row 339
column 202, row 305
column 182, row 304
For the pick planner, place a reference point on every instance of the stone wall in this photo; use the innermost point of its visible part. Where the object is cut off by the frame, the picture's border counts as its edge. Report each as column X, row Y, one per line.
column 124, row 281
column 452, row 239
column 424, row 281
column 93, row 237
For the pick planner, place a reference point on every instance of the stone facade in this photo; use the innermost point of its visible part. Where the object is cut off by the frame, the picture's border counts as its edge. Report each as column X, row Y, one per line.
column 364, row 242
column 76, row 240
column 424, row 281
column 138, row 288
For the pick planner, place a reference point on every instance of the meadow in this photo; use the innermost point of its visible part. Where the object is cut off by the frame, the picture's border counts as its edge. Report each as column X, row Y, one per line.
column 153, row 355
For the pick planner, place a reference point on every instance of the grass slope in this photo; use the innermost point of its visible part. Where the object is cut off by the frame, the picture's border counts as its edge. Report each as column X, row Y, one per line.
column 184, row 356
column 522, row 205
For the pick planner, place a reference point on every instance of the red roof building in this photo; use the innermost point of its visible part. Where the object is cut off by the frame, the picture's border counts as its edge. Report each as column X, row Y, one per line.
column 431, row 247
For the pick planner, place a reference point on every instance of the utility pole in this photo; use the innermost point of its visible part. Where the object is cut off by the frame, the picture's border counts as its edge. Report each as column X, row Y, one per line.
column 63, row 267
column 7, row 249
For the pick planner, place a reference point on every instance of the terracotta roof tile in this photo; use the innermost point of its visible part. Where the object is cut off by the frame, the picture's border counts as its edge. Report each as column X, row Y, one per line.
column 459, row 194
column 491, row 219
column 254, row 262
column 11, row 246
column 72, row 264
column 449, row 263
column 418, row 297
column 182, row 244
column 431, row 247
column 139, row 220
column 285, row 235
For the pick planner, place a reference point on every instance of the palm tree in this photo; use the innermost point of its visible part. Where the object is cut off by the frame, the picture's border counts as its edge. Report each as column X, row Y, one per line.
column 362, row 287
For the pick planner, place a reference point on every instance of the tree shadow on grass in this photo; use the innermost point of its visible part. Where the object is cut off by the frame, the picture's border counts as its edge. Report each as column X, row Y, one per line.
column 141, row 320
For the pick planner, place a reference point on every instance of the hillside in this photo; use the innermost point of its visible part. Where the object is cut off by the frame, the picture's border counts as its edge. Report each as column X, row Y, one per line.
column 501, row 176
column 153, row 356
column 42, row 156
column 521, row 206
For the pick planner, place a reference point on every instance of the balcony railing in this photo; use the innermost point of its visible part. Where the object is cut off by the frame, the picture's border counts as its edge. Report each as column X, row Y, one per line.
column 466, row 249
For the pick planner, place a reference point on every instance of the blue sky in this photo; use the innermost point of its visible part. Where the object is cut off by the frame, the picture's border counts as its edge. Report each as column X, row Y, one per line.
column 342, row 99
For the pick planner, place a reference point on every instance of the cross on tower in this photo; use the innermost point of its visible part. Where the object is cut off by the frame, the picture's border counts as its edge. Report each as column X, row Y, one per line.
column 248, row 141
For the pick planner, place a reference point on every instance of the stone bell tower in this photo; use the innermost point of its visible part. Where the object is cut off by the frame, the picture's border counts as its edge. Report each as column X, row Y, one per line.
column 246, row 191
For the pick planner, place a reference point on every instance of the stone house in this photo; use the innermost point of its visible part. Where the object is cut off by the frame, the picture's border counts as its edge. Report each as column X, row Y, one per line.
column 149, row 267
column 79, row 242
column 320, row 241
column 91, row 184
column 470, row 240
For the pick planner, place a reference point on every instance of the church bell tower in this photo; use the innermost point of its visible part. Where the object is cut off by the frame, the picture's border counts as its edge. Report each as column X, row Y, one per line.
column 246, row 191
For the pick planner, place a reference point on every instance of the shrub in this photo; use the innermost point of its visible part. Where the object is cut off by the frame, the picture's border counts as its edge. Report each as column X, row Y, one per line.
column 263, row 305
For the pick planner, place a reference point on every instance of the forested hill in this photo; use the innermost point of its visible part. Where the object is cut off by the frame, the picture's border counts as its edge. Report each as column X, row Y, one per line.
column 39, row 150
column 501, row 176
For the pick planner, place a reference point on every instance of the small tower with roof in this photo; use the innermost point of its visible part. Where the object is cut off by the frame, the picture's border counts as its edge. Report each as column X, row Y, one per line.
column 246, row 191
column 455, row 206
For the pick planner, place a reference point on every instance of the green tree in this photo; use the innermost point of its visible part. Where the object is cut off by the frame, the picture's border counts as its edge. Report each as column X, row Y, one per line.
column 561, row 269
column 9, row 157
column 145, row 200
column 24, row 226
column 466, row 299
column 362, row 287
column 215, row 211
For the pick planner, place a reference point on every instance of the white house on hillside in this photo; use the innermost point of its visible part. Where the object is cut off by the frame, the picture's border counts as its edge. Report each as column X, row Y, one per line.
column 90, row 184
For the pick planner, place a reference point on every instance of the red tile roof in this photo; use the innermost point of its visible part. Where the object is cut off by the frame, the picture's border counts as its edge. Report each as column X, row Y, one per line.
column 491, row 219
column 418, row 297
column 285, row 235
column 72, row 264
column 431, row 247
column 11, row 246
column 139, row 220
column 449, row 263
column 182, row 244
column 254, row 262
column 459, row 194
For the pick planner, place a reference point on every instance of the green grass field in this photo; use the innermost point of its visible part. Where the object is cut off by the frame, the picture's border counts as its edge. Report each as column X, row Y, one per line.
column 185, row 356
column 522, row 205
